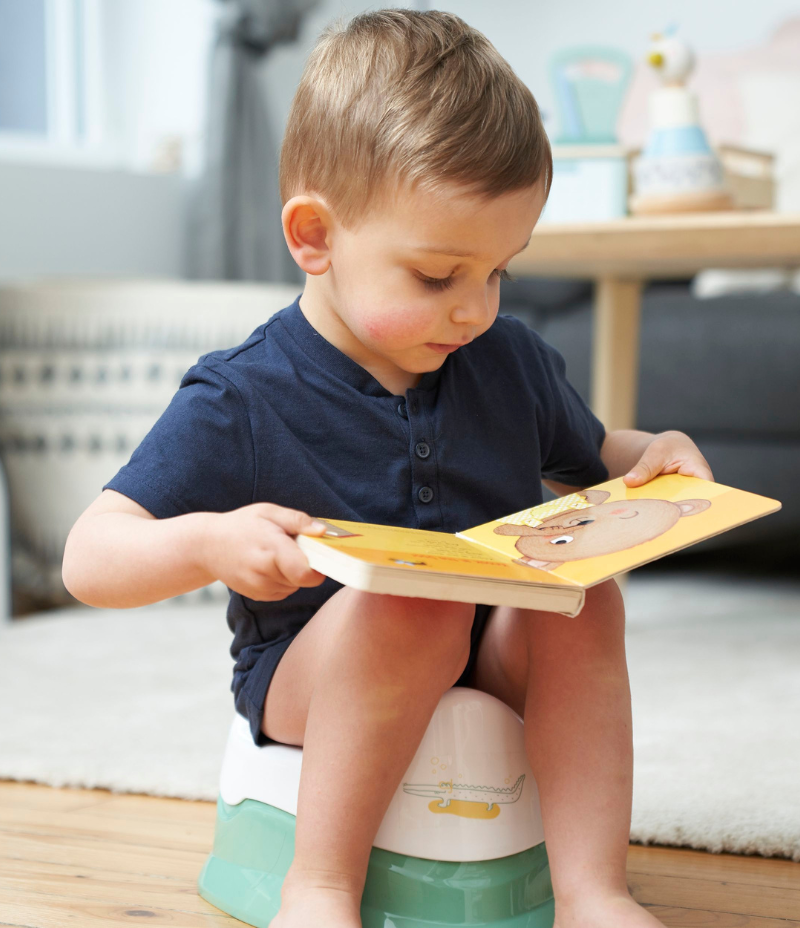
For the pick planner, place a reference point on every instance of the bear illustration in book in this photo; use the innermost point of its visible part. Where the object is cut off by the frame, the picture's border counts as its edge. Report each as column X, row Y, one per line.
column 597, row 528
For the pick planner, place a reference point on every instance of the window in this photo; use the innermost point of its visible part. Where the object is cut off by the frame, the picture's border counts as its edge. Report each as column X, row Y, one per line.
column 23, row 69
column 49, row 77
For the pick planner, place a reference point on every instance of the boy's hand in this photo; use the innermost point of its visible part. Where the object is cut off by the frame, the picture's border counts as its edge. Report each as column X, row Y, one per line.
column 669, row 453
column 253, row 552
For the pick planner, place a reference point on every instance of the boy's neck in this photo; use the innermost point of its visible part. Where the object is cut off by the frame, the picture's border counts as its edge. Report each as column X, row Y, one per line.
column 319, row 309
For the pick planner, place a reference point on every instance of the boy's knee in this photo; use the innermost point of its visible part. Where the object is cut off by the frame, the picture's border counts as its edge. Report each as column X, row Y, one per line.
column 601, row 622
column 430, row 634
column 604, row 600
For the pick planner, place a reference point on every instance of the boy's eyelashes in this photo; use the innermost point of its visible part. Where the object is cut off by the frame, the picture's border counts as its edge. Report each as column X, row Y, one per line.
column 444, row 283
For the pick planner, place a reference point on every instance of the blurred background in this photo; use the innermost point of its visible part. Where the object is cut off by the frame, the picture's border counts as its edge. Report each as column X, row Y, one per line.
column 140, row 228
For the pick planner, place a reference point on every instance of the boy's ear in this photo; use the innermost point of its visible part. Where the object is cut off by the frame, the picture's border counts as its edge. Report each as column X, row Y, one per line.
column 306, row 228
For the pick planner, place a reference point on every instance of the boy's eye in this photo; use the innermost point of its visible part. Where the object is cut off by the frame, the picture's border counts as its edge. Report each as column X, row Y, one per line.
column 444, row 283
column 437, row 283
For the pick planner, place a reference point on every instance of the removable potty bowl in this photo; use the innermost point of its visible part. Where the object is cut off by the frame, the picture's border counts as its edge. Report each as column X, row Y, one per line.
column 461, row 842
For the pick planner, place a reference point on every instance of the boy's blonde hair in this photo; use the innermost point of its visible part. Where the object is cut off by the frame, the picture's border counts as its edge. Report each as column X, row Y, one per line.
column 401, row 97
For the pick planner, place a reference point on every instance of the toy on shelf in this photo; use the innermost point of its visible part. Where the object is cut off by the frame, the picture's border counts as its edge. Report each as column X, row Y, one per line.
column 461, row 842
column 590, row 83
column 590, row 171
column 678, row 171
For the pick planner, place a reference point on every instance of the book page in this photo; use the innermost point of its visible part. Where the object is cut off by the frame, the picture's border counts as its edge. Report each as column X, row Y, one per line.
column 597, row 533
column 418, row 550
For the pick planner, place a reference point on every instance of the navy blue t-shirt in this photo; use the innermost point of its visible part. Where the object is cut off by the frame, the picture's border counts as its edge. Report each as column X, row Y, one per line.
column 287, row 418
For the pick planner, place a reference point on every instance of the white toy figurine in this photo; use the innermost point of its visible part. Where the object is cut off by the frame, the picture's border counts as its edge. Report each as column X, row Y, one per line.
column 677, row 171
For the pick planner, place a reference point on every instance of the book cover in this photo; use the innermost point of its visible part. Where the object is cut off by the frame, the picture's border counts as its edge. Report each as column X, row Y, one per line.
column 542, row 557
column 589, row 536
column 417, row 551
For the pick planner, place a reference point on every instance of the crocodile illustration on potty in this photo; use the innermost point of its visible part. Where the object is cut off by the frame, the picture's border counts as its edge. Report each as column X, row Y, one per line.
column 447, row 791
column 461, row 842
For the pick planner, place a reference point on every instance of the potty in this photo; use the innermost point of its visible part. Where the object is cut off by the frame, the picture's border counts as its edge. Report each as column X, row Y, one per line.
column 461, row 842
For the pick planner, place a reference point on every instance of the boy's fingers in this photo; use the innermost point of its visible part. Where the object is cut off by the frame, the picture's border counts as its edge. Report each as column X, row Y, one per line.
column 293, row 564
column 648, row 466
column 277, row 592
column 292, row 521
column 697, row 469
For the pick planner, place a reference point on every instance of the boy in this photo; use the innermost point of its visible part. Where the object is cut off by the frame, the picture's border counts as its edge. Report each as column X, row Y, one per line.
column 414, row 167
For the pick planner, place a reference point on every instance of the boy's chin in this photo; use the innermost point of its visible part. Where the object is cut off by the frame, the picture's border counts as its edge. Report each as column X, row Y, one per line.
column 421, row 361
column 425, row 365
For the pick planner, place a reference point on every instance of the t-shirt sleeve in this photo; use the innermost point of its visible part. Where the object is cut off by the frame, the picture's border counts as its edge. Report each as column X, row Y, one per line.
column 571, row 435
column 198, row 457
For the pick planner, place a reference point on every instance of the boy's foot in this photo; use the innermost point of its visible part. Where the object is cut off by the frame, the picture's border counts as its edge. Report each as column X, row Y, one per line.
column 315, row 906
column 607, row 912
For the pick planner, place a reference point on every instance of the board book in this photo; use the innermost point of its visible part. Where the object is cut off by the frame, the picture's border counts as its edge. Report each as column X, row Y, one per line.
column 545, row 557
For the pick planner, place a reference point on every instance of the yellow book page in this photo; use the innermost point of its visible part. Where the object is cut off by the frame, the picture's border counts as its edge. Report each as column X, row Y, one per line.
column 595, row 534
column 416, row 550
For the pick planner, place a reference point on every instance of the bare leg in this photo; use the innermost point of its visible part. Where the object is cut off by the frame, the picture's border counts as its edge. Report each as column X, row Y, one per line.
column 356, row 688
column 568, row 678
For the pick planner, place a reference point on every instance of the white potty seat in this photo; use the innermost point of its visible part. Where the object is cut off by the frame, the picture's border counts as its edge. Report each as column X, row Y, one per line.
column 460, row 846
column 468, row 794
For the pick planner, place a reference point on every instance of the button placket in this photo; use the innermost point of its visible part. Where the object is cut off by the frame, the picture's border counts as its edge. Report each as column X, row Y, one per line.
column 424, row 472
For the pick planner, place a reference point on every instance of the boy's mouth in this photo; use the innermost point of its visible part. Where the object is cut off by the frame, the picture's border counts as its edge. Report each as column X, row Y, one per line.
column 442, row 349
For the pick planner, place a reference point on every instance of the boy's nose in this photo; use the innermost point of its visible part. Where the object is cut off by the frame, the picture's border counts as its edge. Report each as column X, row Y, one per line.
column 473, row 312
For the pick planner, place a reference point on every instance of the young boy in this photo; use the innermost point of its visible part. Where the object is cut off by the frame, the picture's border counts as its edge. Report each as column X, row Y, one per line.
column 414, row 167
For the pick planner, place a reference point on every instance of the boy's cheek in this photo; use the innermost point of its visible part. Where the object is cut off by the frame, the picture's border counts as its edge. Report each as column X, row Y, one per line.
column 397, row 325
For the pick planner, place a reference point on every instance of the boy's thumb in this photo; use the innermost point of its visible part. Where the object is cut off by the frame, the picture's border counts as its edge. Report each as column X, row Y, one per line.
column 294, row 522
column 304, row 524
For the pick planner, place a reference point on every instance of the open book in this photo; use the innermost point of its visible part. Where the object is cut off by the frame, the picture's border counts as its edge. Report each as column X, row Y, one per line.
column 545, row 557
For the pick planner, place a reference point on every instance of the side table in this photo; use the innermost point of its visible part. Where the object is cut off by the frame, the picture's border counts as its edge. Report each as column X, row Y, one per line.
column 621, row 255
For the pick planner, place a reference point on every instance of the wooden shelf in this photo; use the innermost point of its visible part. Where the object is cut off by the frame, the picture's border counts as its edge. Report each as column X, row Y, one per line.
column 677, row 245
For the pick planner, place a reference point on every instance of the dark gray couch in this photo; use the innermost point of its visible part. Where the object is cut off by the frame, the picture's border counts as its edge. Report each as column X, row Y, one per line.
column 726, row 371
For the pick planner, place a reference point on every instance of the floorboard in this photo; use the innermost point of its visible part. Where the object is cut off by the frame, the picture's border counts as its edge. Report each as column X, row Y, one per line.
column 85, row 858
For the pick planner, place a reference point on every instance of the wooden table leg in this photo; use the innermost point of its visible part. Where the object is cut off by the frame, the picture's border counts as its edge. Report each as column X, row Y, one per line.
column 615, row 351
column 615, row 358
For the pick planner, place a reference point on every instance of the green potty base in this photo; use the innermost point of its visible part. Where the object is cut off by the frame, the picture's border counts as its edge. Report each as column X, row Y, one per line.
column 254, row 846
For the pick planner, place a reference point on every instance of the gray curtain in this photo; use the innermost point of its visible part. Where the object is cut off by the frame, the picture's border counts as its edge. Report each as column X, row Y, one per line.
column 234, row 208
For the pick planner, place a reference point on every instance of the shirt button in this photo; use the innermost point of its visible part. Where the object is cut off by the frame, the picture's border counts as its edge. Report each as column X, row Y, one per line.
column 402, row 410
column 425, row 494
column 423, row 449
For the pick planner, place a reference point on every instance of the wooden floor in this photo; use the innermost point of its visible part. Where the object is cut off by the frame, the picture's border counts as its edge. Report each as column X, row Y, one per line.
column 88, row 858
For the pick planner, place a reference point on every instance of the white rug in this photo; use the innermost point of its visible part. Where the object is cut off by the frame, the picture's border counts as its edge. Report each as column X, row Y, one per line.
column 139, row 701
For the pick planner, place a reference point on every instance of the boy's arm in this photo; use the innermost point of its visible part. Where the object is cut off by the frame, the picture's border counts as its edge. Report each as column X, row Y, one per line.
column 640, row 456
column 118, row 555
